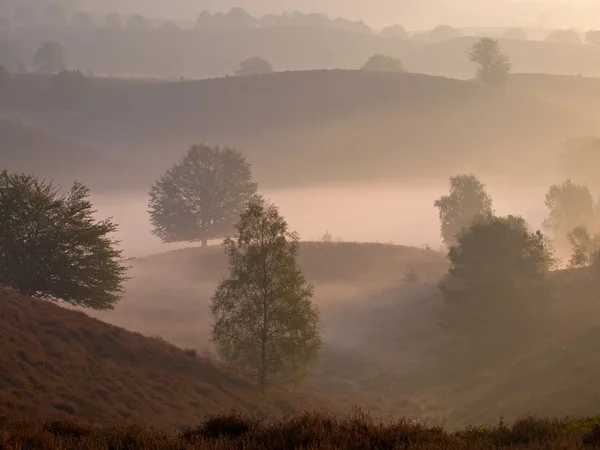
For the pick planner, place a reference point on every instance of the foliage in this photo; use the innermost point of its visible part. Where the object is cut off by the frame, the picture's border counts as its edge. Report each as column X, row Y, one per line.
column 564, row 36
column 54, row 14
column 82, row 19
column 49, row 58
column 315, row 430
column 494, row 66
column 396, row 32
column 327, row 237
column 515, row 33
column 584, row 246
column 570, row 206
column 467, row 200
column 265, row 321
column 254, row 66
column 138, row 22
column 439, row 33
column 113, row 20
column 383, row 63
column 202, row 196
column 592, row 37
column 52, row 248
column 496, row 274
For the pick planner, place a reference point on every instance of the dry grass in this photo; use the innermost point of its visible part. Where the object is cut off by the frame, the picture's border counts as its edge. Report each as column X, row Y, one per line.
column 307, row 431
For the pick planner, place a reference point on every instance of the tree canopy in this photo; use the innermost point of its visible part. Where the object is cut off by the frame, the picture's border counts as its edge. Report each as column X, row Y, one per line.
column 564, row 36
column 584, row 246
column 254, row 66
column 265, row 321
column 52, row 248
column 383, row 63
column 202, row 196
column 49, row 58
column 570, row 205
column 467, row 200
column 493, row 65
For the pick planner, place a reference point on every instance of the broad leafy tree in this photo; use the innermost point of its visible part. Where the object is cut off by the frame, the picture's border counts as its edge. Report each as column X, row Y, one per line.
column 467, row 200
column 52, row 248
column 496, row 278
column 570, row 205
column 266, row 323
column 202, row 196
column 395, row 32
column 493, row 65
column 564, row 37
column 254, row 66
column 49, row 58
column 584, row 246
column 138, row 22
column 383, row 63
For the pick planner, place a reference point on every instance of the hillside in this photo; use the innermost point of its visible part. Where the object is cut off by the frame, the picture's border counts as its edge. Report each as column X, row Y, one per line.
column 578, row 93
column 297, row 127
column 23, row 148
column 203, row 53
column 449, row 58
column 56, row 363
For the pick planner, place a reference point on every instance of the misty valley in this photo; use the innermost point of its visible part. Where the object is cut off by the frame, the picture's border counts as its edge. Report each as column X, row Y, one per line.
column 269, row 228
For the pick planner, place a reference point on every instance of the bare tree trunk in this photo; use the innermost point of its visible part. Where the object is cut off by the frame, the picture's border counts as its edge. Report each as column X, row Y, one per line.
column 263, row 350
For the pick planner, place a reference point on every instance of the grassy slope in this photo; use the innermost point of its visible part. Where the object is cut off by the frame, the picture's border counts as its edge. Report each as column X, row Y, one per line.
column 449, row 58
column 308, row 127
column 58, row 362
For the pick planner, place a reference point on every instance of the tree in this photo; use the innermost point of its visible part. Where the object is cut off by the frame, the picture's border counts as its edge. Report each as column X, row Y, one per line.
column 201, row 197
column 564, row 37
column 592, row 37
column 52, row 248
column 515, row 33
column 440, row 33
column 584, row 246
column 497, row 271
column 395, row 32
column 265, row 321
column 82, row 19
column 468, row 199
column 49, row 58
column 55, row 15
column 383, row 63
column 570, row 206
column 113, row 20
column 254, row 66
column 494, row 66
column 138, row 22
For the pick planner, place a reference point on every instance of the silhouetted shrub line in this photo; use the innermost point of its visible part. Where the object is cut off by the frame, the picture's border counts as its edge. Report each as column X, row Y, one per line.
column 318, row 430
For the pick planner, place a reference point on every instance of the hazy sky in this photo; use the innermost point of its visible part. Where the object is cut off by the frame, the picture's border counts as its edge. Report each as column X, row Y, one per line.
column 413, row 14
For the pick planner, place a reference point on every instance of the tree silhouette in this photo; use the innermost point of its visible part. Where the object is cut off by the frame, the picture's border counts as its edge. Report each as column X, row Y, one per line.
column 51, row 247
column 49, row 58
column 494, row 66
column 383, row 63
column 201, row 197
column 254, row 66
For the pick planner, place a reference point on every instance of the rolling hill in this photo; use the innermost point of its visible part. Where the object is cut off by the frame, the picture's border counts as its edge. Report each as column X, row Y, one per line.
column 60, row 363
column 449, row 58
column 23, row 148
column 300, row 128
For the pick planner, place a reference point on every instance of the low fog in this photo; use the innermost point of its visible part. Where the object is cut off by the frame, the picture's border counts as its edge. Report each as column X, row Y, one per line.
column 439, row 160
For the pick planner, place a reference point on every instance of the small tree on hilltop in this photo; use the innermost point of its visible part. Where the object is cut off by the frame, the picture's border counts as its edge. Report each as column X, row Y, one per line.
column 494, row 66
column 201, row 197
column 265, row 320
column 52, row 248
column 467, row 200
column 254, row 66
column 383, row 63
column 49, row 58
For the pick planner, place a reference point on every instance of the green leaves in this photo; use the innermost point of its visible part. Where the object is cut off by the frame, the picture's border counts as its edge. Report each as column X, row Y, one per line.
column 265, row 321
column 202, row 196
column 51, row 246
